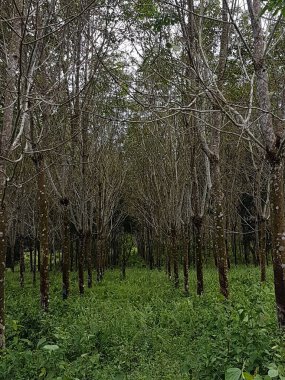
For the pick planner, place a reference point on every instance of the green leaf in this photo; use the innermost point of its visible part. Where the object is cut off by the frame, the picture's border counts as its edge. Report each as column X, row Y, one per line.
column 41, row 342
column 42, row 373
column 247, row 376
column 51, row 347
column 233, row 374
column 29, row 343
column 273, row 373
column 257, row 377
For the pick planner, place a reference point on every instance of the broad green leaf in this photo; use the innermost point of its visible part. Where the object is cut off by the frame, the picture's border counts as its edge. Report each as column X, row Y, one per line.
column 51, row 347
column 41, row 341
column 233, row 374
column 273, row 373
column 247, row 376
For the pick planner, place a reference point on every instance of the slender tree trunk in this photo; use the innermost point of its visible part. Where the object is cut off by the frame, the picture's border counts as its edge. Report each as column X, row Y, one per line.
column 2, row 266
column 88, row 255
column 71, row 252
column 65, row 250
column 220, row 246
column 262, row 248
column 186, row 273
column 22, row 260
column 174, row 254
column 278, row 230
column 43, row 213
column 98, row 258
column 81, row 262
column 39, row 254
column 35, row 263
column 31, row 257
column 12, row 54
column 168, row 258
column 13, row 258
column 123, row 266
column 199, row 255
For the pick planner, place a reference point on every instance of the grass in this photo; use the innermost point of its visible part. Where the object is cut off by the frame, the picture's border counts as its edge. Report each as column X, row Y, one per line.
column 141, row 329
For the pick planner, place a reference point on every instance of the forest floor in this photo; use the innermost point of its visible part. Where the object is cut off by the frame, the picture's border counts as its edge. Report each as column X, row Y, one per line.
column 141, row 328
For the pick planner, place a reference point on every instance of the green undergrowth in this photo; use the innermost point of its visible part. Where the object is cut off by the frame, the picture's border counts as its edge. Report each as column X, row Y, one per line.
column 141, row 328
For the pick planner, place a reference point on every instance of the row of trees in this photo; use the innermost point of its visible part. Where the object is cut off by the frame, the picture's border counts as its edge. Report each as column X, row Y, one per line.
column 160, row 119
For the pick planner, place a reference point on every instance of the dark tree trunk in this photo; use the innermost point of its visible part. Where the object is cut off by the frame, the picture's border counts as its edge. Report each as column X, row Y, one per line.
column 168, row 258
column 98, row 259
column 175, row 258
column 39, row 255
column 186, row 273
column 2, row 269
column 31, row 258
column 65, row 250
column 220, row 246
column 262, row 249
column 22, row 260
column 13, row 258
column 35, row 263
column 43, row 213
column 81, row 262
column 88, row 254
column 278, row 230
column 197, row 221
column 150, row 249
column 124, row 261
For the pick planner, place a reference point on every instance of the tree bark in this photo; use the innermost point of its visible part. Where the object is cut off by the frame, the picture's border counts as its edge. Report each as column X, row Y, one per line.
column 43, row 231
column 262, row 248
column 2, row 267
column 43, row 210
column 65, row 250
column 197, row 221
column 81, row 262
column 219, row 239
column 22, row 260
column 88, row 255
column 278, row 230
column 186, row 273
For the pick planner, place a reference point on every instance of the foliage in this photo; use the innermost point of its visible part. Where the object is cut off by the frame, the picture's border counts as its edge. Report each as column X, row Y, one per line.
column 274, row 6
column 142, row 328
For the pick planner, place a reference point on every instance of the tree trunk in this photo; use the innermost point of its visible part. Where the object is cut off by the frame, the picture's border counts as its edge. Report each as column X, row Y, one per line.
column 35, row 263
column 88, row 255
column 220, row 246
column 81, row 263
column 262, row 249
column 174, row 254
column 22, row 260
column 278, row 230
column 43, row 231
column 2, row 267
column 12, row 54
column 186, row 273
column 199, row 255
column 65, row 250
